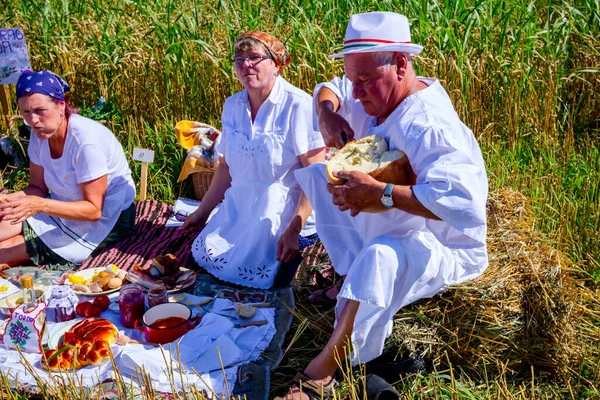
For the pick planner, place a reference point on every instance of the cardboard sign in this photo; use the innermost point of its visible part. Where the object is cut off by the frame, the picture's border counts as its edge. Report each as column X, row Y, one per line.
column 143, row 155
column 14, row 58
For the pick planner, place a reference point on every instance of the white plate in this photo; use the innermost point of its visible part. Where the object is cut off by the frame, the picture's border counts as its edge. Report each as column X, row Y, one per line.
column 7, row 288
column 89, row 274
column 55, row 338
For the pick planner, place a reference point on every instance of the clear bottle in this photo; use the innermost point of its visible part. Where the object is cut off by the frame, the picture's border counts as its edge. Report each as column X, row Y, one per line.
column 29, row 299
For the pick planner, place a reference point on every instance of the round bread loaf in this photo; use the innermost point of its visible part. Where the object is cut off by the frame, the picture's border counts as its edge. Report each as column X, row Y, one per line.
column 372, row 156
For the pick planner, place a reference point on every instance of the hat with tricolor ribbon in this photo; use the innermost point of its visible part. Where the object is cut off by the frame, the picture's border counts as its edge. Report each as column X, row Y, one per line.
column 378, row 31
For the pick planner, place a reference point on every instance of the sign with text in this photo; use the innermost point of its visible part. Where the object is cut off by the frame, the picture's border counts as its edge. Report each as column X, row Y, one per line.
column 143, row 155
column 14, row 58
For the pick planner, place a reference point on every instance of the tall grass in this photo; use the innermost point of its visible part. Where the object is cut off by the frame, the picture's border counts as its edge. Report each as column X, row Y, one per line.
column 524, row 75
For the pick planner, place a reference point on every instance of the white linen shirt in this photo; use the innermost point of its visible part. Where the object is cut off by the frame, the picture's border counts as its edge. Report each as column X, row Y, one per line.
column 239, row 243
column 90, row 152
column 286, row 116
column 394, row 258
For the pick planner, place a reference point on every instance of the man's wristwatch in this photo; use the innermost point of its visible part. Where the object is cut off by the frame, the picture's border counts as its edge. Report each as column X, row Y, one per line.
column 387, row 200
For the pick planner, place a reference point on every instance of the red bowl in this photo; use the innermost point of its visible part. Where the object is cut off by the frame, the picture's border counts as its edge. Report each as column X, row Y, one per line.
column 166, row 322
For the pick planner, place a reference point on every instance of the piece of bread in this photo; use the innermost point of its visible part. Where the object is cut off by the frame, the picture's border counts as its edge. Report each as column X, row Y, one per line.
column 166, row 265
column 245, row 311
column 371, row 156
column 94, row 329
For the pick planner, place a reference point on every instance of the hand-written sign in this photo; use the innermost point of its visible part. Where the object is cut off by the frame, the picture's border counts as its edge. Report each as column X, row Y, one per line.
column 14, row 58
column 143, row 155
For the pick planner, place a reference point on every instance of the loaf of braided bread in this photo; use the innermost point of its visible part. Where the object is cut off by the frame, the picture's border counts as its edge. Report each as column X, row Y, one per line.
column 86, row 343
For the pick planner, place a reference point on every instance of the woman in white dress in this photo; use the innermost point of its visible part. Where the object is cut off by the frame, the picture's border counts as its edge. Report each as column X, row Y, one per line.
column 80, row 192
column 267, row 135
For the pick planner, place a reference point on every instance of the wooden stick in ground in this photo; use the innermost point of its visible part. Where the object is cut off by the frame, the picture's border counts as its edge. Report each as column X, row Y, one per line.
column 5, row 103
column 144, row 180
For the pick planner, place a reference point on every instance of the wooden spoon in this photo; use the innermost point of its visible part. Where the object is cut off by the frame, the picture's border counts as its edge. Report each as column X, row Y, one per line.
column 123, row 340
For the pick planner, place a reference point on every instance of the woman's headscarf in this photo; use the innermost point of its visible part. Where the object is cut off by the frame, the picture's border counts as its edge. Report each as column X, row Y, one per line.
column 274, row 46
column 44, row 82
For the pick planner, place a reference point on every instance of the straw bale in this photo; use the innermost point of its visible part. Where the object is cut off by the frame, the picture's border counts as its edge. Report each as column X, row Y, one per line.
column 528, row 310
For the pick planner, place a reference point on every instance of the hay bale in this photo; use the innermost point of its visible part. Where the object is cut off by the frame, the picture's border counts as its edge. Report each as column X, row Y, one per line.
column 527, row 310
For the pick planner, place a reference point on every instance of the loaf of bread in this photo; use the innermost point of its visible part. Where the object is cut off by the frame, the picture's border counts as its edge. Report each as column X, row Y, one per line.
column 165, row 265
column 86, row 343
column 371, row 156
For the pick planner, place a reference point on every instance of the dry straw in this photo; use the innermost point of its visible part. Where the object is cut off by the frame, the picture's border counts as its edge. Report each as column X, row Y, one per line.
column 527, row 312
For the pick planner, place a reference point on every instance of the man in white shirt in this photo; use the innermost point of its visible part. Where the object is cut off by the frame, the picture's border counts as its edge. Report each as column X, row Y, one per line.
column 433, row 233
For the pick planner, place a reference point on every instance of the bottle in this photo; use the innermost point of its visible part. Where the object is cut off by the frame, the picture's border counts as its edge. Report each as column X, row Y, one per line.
column 29, row 299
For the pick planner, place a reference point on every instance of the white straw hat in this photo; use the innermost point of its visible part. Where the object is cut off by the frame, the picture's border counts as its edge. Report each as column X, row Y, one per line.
column 378, row 31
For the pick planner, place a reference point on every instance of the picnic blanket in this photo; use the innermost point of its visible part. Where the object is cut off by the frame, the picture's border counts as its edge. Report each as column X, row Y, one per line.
column 150, row 238
column 250, row 380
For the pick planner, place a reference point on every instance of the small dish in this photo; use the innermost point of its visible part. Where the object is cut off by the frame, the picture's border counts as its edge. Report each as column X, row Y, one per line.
column 9, row 303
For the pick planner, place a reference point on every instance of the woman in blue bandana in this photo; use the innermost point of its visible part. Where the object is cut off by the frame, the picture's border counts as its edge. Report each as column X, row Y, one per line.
column 80, row 193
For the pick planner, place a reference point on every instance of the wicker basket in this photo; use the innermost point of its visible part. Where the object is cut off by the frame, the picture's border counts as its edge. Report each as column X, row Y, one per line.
column 201, row 182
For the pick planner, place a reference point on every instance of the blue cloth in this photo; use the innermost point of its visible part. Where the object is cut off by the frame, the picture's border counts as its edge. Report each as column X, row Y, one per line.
column 44, row 82
column 305, row 241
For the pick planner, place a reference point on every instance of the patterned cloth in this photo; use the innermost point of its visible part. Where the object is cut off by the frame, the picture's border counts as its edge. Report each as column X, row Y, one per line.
column 274, row 45
column 44, row 82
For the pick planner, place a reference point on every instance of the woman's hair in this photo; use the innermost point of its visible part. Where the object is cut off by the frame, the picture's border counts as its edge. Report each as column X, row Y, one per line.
column 249, row 43
column 68, row 109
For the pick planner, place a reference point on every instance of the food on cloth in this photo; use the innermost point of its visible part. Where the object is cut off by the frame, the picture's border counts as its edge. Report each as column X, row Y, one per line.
column 102, row 301
column 61, row 305
column 199, row 139
column 245, row 311
column 371, row 156
column 81, row 307
column 111, row 277
column 164, row 271
column 86, row 343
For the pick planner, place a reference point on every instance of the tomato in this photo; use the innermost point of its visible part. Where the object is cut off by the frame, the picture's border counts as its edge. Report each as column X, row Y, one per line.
column 101, row 301
column 81, row 307
column 92, row 311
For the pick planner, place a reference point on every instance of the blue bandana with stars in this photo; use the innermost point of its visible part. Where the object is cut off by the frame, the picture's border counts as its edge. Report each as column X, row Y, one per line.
column 44, row 82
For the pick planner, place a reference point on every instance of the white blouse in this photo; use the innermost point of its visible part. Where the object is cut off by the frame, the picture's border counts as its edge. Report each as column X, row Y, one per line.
column 239, row 243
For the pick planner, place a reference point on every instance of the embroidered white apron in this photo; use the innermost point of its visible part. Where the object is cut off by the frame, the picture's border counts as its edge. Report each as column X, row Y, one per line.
column 239, row 243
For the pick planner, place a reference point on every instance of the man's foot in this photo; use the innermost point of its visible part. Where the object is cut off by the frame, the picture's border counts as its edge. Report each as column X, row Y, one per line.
column 327, row 297
column 311, row 389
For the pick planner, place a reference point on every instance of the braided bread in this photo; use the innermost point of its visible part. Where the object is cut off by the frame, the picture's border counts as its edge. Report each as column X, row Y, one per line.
column 86, row 343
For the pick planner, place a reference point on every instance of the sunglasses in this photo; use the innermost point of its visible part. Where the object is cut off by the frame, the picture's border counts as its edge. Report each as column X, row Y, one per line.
column 180, row 215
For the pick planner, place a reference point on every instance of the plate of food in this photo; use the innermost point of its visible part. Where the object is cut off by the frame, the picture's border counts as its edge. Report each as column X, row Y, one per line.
column 163, row 271
column 97, row 281
column 92, row 339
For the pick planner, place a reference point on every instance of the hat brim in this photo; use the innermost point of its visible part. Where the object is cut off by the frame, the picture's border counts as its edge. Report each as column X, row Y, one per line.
column 413, row 49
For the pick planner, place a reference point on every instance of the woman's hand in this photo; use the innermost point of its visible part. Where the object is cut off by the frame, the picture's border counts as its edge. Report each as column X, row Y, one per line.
column 18, row 207
column 287, row 247
column 195, row 220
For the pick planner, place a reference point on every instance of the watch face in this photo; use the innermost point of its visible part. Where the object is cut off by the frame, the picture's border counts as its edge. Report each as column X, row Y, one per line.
column 387, row 201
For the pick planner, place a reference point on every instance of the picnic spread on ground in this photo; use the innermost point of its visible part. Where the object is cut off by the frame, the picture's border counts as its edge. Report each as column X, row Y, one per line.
column 213, row 335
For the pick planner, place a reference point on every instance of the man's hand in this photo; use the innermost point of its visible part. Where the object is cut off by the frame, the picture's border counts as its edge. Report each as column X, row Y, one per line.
column 287, row 247
column 359, row 192
column 20, row 207
column 332, row 125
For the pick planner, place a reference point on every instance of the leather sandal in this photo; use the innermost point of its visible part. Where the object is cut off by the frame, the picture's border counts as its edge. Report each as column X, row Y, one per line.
column 312, row 389
column 320, row 298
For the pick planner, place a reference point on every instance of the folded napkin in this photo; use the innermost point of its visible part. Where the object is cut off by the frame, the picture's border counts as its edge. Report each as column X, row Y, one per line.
column 198, row 139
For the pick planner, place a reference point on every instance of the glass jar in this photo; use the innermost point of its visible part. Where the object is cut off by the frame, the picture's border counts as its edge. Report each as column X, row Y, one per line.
column 131, row 304
column 157, row 296
column 61, row 305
